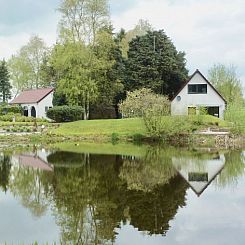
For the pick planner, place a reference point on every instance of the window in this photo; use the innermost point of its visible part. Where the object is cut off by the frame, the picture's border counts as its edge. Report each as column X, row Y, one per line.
column 46, row 108
column 198, row 177
column 197, row 88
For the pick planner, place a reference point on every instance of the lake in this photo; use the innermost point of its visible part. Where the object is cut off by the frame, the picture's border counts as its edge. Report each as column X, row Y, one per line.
column 122, row 194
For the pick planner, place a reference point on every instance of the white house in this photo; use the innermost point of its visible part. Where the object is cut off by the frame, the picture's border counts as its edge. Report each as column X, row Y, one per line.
column 35, row 102
column 197, row 93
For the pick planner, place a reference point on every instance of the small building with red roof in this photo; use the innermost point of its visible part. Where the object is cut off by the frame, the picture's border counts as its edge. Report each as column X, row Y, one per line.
column 35, row 102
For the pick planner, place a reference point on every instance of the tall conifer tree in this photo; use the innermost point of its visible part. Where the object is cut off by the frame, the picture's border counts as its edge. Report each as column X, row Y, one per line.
column 5, row 86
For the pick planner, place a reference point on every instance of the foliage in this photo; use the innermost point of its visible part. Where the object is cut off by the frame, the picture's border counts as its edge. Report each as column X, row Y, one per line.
column 5, row 109
column 5, row 86
column 25, row 66
column 9, row 117
column 235, row 114
column 140, row 101
column 225, row 80
column 82, row 19
column 167, row 127
column 65, row 113
column 153, row 62
column 140, row 29
column 74, row 61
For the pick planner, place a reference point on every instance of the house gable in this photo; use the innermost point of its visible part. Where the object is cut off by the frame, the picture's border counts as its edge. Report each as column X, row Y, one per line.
column 201, row 94
column 198, row 78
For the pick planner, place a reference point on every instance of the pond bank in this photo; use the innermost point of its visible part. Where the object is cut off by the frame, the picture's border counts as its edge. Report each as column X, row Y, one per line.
column 219, row 141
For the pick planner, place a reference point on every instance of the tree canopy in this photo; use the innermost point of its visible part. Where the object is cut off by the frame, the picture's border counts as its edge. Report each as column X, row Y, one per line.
column 225, row 80
column 154, row 62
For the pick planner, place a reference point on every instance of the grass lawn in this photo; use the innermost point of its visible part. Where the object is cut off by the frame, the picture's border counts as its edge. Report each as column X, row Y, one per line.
column 124, row 127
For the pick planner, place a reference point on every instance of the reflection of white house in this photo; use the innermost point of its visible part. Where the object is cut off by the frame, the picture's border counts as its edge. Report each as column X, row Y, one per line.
column 35, row 102
column 198, row 92
column 197, row 172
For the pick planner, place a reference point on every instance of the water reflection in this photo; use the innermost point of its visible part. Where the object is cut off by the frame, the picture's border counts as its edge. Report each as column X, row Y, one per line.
column 92, row 196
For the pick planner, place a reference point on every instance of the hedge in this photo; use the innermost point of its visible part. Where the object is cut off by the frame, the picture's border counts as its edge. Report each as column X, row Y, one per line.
column 65, row 113
column 5, row 109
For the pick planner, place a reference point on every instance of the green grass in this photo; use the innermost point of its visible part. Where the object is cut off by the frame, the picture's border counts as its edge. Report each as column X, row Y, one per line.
column 122, row 127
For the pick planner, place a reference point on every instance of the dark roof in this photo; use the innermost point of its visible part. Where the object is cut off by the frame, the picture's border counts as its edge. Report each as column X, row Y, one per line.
column 198, row 72
column 32, row 96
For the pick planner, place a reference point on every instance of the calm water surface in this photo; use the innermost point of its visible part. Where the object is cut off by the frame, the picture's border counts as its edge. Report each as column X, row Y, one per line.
column 152, row 195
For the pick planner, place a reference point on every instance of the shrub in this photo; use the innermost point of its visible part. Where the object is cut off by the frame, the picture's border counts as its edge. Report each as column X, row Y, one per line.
column 65, row 113
column 166, row 127
column 6, row 109
column 140, row 101
column 114, row 138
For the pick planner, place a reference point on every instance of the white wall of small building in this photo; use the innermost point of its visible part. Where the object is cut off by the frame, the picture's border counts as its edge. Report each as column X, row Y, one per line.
column 40, row 107
column 210, row 99
column 46, row 102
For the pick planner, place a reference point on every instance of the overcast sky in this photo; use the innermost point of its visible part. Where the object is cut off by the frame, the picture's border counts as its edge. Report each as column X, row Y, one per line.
column 209, row 31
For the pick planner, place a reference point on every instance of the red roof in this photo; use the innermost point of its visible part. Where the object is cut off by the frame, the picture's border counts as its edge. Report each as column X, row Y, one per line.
column 34, row 162
column 32, row 96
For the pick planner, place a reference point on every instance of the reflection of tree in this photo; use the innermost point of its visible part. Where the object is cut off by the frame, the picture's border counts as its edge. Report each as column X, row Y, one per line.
column 87, row 201
column 28, row 185
column 92, row 200
column 5, row 167
column 152, row 211
column 145, row 174
column 234, row 168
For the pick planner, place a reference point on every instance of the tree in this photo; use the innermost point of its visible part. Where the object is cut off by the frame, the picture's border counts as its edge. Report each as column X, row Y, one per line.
column 225, row 80
column 74, row 62
column 81, row 19
column 140, row 29
column 25, row 67
column 153, row 62
column 5, row 87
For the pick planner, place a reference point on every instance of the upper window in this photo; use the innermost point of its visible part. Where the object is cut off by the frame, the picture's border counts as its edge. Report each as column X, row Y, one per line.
column 197, row 88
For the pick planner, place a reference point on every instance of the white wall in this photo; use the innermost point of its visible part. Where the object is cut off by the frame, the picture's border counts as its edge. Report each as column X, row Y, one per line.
column 188, row 165
column 197, row 100
column 47, row 101
column 40, row 107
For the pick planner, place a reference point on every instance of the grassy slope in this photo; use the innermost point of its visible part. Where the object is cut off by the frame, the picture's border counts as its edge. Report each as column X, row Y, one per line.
column 123, row 127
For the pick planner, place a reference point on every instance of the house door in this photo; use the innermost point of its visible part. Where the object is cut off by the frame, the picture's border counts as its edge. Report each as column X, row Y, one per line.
column 213, row 111
column 33, row 112
column 25, row 111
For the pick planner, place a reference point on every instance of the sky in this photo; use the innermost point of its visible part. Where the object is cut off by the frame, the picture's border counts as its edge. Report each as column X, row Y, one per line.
column 209, row 31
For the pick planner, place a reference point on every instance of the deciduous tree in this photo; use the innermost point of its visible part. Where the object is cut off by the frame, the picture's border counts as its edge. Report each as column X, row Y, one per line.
column 225, row 80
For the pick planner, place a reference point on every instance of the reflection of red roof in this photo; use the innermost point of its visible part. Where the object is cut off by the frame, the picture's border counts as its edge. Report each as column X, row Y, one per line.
column 34, row 162
column 32, row 96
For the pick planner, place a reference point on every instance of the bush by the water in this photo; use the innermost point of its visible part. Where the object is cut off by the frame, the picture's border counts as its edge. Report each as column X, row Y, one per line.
column 65, row 113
